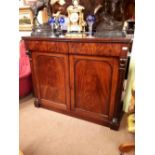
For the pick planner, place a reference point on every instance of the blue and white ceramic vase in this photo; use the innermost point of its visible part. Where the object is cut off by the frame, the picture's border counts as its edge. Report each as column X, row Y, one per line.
column 61, row 21
column 51, row 21
column 90, row 21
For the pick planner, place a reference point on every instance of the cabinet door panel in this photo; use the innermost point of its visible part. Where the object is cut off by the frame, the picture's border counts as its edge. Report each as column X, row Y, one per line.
column 91, row 85
column 51, row 72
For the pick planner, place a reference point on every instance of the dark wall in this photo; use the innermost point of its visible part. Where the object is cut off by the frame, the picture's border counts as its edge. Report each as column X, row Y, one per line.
column 90, row 5
column 129, row 9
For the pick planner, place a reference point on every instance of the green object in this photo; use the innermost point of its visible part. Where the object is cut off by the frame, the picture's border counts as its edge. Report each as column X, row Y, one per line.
column 130, row 85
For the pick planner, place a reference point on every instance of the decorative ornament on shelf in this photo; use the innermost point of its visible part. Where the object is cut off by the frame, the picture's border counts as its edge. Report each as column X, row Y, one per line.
column 76, row 23
column 61, row 21
column 38, row 28
column 111, row 19
column 90, row 21
column 51, row 21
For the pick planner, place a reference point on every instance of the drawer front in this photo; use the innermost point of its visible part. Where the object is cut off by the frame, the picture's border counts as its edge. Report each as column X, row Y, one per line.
column 46, row 46
column 98, row 49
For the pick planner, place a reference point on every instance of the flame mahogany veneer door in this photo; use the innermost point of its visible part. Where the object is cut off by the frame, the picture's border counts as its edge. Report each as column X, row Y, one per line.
column 51, row 79
column 93, row 83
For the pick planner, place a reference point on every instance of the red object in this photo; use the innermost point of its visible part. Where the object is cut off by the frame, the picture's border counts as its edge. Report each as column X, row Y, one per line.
column 25, row 80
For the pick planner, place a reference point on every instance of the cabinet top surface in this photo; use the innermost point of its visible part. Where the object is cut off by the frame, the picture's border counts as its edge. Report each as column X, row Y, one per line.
column 95, row 40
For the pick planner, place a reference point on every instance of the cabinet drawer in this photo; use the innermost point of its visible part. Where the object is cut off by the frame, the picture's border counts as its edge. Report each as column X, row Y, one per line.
column 98, row 49
column 46, row 46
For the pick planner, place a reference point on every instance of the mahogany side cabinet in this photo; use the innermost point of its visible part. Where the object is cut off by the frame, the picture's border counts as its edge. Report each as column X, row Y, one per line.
column 80, row 77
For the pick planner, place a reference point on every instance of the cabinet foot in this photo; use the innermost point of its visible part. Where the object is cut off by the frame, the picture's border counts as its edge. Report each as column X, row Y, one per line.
column 36, row 103
column 114, row 124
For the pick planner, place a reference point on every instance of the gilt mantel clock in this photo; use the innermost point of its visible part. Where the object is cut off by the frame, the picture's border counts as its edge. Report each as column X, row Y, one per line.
column 76, row 21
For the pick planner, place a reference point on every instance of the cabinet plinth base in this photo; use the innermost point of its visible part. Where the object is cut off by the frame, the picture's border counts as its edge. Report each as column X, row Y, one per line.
column 112, row 126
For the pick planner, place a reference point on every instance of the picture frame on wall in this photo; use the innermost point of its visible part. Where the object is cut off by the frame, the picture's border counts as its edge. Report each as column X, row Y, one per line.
column 25, row 19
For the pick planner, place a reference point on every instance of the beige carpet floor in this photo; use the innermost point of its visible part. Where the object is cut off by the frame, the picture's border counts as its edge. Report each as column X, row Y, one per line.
column 44, row 132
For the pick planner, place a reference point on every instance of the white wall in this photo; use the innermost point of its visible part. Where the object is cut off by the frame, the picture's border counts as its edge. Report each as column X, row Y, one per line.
column 23, row 33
